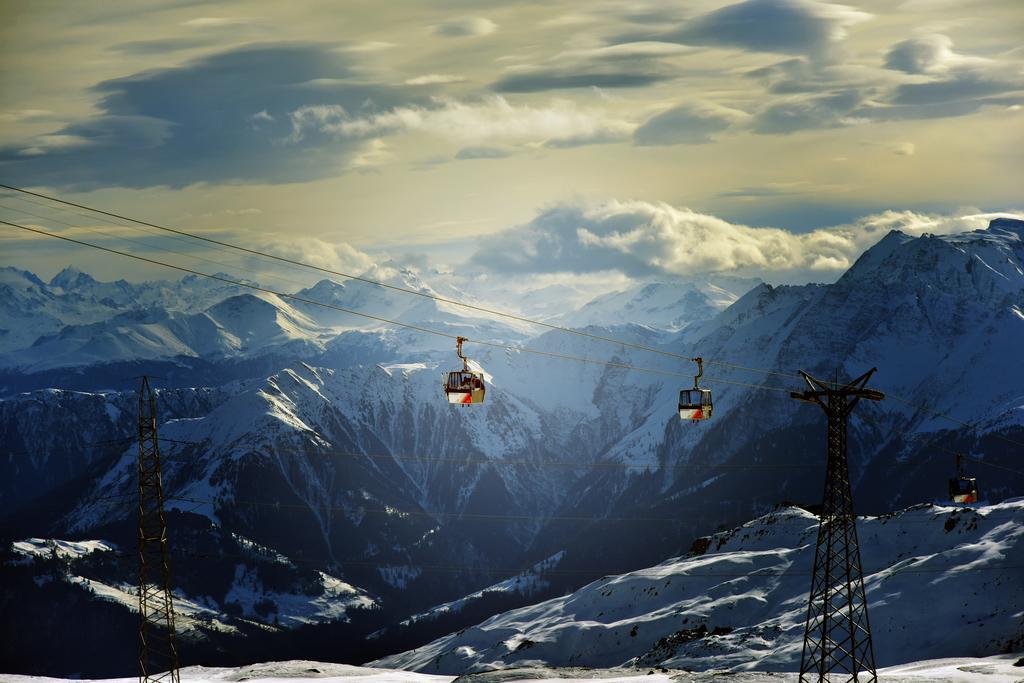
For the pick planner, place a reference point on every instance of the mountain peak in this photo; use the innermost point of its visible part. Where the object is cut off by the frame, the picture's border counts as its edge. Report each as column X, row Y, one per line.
column 10, row 273
column 397, row 276
column 1006, row 224
column 868, row 264
column 71, row 278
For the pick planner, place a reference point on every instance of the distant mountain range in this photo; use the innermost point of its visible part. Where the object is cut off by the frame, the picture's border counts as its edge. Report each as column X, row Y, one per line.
column 302, row 432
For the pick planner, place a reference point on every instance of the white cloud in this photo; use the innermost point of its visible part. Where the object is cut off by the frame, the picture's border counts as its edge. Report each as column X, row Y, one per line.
column 464, row 26
column 642, row 238
column 435, row 79
column 493, row 120
column 339, row 256
column 366, row 46
column 28, row 116
column 688, row 124
column 213, row 22
column 933, row 54
column 372, row 156
column 45, row 144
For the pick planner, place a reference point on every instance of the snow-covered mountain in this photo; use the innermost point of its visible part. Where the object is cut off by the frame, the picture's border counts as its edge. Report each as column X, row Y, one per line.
column 939, row 322
column 939, row 581
column 243, row 325
column 75, row 321
column 51, row 437
column 335, row 448
column 31, row 309
column 669, row 305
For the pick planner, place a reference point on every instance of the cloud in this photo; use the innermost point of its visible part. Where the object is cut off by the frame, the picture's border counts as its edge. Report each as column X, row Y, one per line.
column 483, row 153
column 374, row 154
column 788, row 76
column 963, row 85
column 687, row 124
column 366, row 46
column 920, row 55
column 805, row 27
column 492, row 120
column 464, row 26
column 793, row 114
column 781, row 189
column 435, row 79
column 339, row 256
column 214, row 22
column 626, row 65
column 924, row 78
column 643, row 238
column 30, row 116
column 946, row 82
column 158, row 47
column 221, row 118
column 800, row 75
column 904, row 149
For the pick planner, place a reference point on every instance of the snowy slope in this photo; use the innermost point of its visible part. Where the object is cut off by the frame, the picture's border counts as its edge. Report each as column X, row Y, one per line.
column 304, row 427
column 355, row 461
column 324, row 598
column 31, row 308
column 938, row 316
column 525, row 582
column 51, row 436
column 932, row 313
column 940, row 581
column 667, row 305
column 24, row 304
column 996, row 669
column 243, row 325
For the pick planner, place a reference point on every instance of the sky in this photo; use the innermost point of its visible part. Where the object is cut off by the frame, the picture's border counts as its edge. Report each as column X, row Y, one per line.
column 514, row 139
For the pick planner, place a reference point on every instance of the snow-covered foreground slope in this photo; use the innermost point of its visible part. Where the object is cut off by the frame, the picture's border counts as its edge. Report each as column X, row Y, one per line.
column 996, row 669
column 940, row 581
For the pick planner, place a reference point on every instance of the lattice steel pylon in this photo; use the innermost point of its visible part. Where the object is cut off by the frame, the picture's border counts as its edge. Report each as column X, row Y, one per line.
column 837, row 635
column 158, row 654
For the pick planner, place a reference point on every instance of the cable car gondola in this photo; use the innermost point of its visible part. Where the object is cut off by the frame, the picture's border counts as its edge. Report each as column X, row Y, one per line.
column 695, row 404
column 962, row 489
column 464, row 386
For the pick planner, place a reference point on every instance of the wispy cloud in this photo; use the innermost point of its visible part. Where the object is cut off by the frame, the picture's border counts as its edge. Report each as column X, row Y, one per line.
column 626, row 65
column 688, row 124
column 491, row 120
column 484, row 153
column 464, row 27
column 214, row 22
column 435, row 79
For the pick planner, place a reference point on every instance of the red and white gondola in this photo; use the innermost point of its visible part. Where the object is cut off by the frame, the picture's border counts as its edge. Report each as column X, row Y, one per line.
column 695, row 404
column 464, row 387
